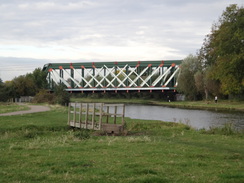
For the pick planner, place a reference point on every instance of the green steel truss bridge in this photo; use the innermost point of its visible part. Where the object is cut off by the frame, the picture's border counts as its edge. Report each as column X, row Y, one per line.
column 114, row 76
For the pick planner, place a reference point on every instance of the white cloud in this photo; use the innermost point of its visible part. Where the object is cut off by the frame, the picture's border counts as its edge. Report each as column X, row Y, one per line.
column 105, row 30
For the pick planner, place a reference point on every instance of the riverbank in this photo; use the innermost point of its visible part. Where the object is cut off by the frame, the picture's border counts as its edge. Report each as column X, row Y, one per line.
column 40, row 147
column 210, row 105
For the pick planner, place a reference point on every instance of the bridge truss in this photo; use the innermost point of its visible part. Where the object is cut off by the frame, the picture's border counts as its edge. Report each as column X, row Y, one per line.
column 114, row 76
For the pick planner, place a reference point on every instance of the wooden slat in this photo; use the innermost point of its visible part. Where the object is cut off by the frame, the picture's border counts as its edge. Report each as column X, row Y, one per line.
column 80, row 114
column 93, row 115
column 87, row 110
column 123, row 115
column 100, row 117
column 115, row 114
column 74, row 113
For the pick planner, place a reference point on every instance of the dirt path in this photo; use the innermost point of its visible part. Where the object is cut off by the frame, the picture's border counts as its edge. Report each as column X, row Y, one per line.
column 33, row 109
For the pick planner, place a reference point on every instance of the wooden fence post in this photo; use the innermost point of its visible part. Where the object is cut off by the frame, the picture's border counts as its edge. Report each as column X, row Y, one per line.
column 80, row 115
column 100, row 116
column 74, row 115
column 123, row 115
column 87, row 113
column 115, row 114
column 93, row 115
column 107, row 114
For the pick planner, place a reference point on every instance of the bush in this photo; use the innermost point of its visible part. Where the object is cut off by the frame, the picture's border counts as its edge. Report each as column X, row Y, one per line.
column 60, row 96
column 44, row 97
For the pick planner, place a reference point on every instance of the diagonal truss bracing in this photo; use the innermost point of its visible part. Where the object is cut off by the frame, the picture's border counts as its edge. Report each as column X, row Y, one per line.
column 113, row 76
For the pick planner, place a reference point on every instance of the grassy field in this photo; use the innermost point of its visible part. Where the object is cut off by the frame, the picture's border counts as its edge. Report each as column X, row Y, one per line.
column 11, row 107
column 221, row 105
column 41, row 148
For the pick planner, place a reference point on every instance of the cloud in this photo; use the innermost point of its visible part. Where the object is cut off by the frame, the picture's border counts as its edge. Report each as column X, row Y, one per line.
column 105, row 30
column 12, row 67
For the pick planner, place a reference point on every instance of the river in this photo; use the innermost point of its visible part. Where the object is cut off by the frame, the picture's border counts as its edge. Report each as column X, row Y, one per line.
column 197, row 119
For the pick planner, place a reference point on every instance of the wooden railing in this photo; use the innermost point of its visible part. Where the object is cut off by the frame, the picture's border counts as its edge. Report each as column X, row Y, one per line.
column 97, row 116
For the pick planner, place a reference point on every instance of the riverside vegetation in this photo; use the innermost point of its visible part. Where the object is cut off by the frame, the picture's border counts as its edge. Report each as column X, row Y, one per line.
column 41, row 148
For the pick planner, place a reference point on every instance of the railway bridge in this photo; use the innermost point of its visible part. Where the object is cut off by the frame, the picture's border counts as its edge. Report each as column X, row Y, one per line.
column 114, row 76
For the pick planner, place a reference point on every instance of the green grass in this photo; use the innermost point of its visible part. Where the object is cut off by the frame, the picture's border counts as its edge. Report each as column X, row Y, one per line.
column 41, row 148
column 222, row 105
column 110, row 100
column 12, row 107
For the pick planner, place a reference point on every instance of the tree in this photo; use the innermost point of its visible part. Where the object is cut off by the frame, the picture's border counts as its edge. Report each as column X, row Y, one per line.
column 186, row 82
column 24, row 86
column 27, row 85
column 39, row 78
column 3, row 94
column 223, row 51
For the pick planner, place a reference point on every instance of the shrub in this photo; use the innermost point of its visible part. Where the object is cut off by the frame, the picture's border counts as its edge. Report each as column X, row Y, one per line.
column 44, row 97
column 62, row 97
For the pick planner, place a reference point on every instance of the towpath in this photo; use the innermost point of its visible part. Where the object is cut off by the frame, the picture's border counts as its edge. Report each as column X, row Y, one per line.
column 33, row 109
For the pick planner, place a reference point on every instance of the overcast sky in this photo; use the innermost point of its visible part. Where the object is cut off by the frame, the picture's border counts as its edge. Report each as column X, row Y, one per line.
column 35, row 32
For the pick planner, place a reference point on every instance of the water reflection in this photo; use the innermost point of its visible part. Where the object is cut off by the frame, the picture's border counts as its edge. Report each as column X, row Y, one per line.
column 196, row 118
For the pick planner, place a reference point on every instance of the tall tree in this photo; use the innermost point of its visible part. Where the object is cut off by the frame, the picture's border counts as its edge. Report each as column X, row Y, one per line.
column 186, row 81
column 223, row 51
column 39, row 78
column 24, row 86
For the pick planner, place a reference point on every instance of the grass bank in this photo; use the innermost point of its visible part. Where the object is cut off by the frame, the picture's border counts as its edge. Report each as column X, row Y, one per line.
column 41, row 148
column 11, row 107
column 221, row 105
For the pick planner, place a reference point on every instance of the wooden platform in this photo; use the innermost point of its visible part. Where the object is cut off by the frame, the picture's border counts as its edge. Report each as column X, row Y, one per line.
column 97, row 116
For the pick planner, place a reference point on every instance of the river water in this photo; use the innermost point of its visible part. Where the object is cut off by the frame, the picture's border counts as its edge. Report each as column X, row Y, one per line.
column 197, row 119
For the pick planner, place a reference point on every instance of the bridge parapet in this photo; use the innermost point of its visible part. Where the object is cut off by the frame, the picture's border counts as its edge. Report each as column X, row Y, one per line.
column 114, row 76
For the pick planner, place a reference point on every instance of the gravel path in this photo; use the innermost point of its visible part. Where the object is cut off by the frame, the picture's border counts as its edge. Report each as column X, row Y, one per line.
column 33, row 109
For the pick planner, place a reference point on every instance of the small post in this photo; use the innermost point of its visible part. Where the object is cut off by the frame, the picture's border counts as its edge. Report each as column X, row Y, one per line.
column 93, row 115
column 115, row 114
column 80, row 115
column 87, row 111
column 123, row 115
column 100, row 116
column 107, row 114
column 75, row 115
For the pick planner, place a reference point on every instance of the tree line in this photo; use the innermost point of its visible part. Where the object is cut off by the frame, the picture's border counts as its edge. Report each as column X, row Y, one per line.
column 32, row 84
column 24, row 85
column 217, row 69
